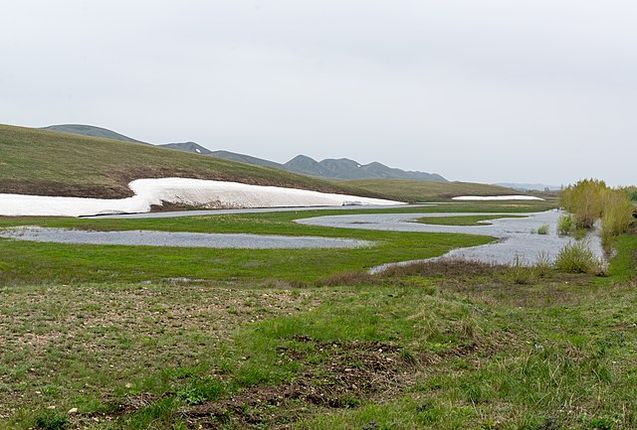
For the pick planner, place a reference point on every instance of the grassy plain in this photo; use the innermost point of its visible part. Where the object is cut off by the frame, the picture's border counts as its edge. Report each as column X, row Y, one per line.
column 311, row 341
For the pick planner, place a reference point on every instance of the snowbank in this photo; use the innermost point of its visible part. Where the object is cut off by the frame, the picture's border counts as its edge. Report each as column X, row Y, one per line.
column 190, row 192
column 495, row 198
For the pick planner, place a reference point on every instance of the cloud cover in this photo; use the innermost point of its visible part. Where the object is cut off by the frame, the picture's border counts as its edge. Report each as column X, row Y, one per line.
column 489, row 90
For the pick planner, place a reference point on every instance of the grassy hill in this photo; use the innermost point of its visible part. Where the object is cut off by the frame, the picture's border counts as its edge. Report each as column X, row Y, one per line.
column 35, row 161
column 90, row 130
column 422, row 191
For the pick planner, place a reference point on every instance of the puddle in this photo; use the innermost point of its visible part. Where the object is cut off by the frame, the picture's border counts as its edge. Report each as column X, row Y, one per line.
column 178, row 239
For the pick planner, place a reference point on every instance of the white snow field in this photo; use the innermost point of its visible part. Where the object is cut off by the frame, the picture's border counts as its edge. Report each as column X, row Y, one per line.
column 183, row 191
column 495, row 198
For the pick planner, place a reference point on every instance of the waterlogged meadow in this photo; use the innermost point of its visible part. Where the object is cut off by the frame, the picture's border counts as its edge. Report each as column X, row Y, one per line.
column 97, row 337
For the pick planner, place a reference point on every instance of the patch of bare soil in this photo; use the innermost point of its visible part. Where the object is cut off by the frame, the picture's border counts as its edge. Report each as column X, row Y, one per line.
column 352, row 373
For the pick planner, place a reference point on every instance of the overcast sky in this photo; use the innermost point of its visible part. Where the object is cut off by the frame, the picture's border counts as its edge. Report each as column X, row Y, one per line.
column 480, row 90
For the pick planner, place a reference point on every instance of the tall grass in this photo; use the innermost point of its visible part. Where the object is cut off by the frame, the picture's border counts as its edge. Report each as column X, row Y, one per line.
column 565, row 225
column 617, row 216
column 578, row 258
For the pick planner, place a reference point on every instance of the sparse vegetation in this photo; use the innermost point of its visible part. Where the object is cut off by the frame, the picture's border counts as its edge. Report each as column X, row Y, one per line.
column 544, row 229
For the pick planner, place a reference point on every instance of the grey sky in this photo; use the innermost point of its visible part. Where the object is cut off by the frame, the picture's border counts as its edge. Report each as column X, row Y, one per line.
column 483, row 90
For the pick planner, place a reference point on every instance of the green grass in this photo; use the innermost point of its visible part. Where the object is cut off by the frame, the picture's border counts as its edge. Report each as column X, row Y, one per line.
column 31, row 262
column 464, row 220
column 424, row 191
column 49, row 163
column 26, row 262
column 437, row 346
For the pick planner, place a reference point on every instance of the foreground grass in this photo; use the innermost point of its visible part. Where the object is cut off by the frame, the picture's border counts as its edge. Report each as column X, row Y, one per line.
column 433, row 347
column 438, row 346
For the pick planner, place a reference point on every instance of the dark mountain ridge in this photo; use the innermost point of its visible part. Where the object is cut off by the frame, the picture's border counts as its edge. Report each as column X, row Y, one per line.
column 331, row 168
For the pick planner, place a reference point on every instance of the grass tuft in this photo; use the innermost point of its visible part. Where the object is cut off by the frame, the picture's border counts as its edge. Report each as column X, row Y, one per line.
column 565, row 225
column 578, row 258
column 51, row 420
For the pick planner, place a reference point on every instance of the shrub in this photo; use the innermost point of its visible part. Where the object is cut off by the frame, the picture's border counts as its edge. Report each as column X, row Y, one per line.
column 591, row 200
column 545, row 229
column 565, row 225
column 617, row 216
column 577, row 258
column 585, row 201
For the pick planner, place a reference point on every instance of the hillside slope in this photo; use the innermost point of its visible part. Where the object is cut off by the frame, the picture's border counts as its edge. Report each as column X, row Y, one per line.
column 330, row 168
column 91, row 131
column 414, row 191
column 34, row 161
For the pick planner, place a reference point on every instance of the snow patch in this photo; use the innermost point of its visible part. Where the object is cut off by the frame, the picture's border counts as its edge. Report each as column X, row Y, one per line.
column 496, row 198
column 182, row 191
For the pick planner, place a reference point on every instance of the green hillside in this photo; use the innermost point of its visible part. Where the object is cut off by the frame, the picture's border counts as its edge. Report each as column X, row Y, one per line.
column 34, row 161
column 421, row 191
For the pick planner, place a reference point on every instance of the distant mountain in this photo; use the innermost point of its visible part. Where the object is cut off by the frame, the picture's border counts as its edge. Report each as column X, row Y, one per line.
column 529, row 187
column 248, row 159
column 345, row 168
column 330, row 168
column 188, row 147
column 90, row 130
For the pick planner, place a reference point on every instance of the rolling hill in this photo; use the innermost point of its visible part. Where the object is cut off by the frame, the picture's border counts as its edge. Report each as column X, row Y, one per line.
column 42, row 162
column 342, row 168
column 414, row 191
column 92, row 131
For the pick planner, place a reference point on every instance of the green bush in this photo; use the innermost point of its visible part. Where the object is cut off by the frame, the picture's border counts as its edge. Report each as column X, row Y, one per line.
column 617, row 216
column 565, row 225
column 585, row 200
column 545, row 229
column 590, row 200
column 578, row 258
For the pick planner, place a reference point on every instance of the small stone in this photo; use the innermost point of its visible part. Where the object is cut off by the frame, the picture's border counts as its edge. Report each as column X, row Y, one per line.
column 128, row 385
column 72, row 411
column 51, row 407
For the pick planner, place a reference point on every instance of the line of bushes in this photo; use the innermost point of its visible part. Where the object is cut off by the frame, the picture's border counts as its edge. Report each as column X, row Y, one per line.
column 591, row 200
